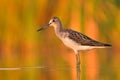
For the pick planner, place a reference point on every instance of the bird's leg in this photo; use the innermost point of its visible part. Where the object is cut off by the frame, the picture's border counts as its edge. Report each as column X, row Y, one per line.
column 77, row 60
column 78, row 65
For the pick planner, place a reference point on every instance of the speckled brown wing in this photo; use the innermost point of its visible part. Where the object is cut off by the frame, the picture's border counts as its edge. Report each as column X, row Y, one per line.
column 83, row 39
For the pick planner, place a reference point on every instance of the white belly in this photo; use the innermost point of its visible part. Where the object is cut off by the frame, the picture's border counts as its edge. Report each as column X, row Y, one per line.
column 73, row 45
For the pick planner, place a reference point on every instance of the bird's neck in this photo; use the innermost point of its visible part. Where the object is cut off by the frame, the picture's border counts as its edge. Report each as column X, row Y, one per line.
column 58, row 28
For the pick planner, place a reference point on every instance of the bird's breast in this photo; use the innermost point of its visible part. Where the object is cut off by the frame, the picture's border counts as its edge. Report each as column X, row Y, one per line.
column 70, row 43
column 74, row 45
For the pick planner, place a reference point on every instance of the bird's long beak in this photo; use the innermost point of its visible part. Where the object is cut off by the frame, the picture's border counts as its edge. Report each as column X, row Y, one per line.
column 44, row 27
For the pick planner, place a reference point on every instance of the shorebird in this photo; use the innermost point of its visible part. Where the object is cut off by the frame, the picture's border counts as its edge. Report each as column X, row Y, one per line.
column 74, row 40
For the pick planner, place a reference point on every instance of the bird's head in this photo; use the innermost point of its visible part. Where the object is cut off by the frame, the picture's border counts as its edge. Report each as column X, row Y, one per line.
column 53, row 21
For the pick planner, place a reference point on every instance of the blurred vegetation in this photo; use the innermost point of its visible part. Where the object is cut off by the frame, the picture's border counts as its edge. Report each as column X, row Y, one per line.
column 22, row 46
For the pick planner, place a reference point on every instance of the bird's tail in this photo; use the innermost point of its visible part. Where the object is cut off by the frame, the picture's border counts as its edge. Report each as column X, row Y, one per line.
column 105, row 46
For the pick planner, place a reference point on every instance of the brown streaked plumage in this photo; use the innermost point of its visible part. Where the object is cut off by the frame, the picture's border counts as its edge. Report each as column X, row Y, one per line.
column 74, row 40
column 83, row 39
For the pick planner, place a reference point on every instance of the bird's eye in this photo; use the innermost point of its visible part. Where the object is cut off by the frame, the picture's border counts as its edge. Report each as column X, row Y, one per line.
column 53, row 20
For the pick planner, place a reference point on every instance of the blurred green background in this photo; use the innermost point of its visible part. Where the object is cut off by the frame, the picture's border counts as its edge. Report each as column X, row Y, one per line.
column 22, row 46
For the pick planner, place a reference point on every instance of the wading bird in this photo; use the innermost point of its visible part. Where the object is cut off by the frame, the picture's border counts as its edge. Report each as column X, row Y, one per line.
column 74, row 40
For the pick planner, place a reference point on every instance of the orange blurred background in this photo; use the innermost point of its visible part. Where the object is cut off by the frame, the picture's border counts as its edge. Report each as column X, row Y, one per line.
column 21, row 46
